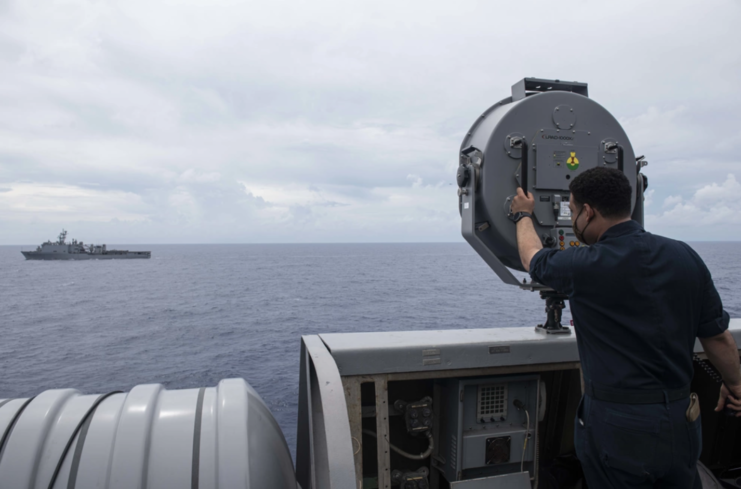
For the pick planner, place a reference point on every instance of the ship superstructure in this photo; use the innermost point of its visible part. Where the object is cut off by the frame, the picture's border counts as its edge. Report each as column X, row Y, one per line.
column 77, row 250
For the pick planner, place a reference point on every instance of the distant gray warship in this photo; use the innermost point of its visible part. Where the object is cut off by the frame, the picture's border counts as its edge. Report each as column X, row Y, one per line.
column 60, row 250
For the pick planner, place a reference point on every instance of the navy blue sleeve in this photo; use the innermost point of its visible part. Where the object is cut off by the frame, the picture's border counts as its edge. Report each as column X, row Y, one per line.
column 553, row 268
column 713, row 318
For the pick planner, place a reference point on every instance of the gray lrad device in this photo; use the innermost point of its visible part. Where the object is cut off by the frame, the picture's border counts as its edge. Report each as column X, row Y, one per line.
column 541, row 138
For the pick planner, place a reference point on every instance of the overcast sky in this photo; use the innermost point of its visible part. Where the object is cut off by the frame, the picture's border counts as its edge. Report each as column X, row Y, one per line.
column 338, row 121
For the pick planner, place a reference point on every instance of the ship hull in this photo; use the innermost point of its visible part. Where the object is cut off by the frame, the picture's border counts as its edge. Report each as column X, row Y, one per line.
column 36, row 255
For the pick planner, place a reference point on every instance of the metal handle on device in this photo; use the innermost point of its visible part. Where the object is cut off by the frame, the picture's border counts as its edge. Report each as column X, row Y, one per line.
column 521, row 143
column 620, row 154
column 471, row 228
column 524, row 169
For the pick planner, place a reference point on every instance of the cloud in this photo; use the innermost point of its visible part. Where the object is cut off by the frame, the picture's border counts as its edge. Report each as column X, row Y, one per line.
column 648, row 197
column 672, row 200
column 714, row 194
column 194, row 176
column 673, row 123
column 713, row 209
column 233, row 121
column 416, row 180
column 57, row 203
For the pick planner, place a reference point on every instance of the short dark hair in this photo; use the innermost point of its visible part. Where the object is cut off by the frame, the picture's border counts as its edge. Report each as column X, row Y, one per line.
column 605, row 189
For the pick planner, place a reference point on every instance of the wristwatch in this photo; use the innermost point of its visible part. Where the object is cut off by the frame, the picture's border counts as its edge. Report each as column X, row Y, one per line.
column 519, row 215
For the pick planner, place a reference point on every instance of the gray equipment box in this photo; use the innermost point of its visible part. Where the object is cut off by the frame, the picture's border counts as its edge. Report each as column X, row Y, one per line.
column 485, row 431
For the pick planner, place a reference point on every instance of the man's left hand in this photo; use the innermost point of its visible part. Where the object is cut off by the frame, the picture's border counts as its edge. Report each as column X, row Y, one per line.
column 522, row 203
column 729, row 398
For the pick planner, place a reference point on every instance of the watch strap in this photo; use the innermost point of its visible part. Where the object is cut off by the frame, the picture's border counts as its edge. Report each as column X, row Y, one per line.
column 519, row 215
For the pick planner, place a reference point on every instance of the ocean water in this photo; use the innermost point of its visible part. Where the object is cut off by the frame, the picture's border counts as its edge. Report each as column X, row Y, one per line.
column 195, row 314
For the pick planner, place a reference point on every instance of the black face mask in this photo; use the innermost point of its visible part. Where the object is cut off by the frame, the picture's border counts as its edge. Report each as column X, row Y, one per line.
column 580, row 234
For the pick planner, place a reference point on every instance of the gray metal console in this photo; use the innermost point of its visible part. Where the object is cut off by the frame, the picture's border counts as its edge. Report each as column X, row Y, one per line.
column 489, row 427
column 350, row 423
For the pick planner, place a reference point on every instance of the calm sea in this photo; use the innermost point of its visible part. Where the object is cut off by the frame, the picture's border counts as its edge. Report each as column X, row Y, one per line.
column 196, row 314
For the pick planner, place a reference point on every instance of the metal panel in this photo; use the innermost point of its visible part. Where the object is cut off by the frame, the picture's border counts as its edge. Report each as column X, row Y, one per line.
column 389, row 352
column 324, row 455
column 520, row 480
column 403, row 351
column 355, row 415
column 463, row 436
column 557, row 165
column 382, row 432
column 304, row 436
column 475, row 372
column 473, row 447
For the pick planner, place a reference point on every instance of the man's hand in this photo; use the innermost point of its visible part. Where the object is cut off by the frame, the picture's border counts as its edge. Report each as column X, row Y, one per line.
column 722, row 352
column 528, row 242
column 522, row 203
column 734, row 403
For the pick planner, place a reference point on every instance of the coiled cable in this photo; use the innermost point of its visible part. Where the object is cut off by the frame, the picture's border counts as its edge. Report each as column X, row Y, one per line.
column 74, row 435
column 12, row 423
column 408, row 455
column 524, row 445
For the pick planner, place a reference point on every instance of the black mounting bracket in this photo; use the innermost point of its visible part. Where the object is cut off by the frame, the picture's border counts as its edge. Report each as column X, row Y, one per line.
column 554, row 306
column 530, row 85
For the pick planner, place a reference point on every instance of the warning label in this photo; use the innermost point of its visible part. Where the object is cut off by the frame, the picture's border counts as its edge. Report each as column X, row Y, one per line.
column 573, row 162
column 560, row 157
column 564, row 212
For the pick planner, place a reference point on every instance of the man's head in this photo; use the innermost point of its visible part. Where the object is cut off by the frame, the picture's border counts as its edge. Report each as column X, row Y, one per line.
column 600, row 198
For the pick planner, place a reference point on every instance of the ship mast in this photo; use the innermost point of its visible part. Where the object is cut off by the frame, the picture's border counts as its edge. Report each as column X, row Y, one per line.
column 62, row 237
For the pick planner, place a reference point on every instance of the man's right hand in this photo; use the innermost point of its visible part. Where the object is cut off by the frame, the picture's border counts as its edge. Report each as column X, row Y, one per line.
column 522, row 202
column 730, row 396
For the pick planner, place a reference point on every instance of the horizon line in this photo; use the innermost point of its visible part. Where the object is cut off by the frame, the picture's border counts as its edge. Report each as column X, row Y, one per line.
column 335, row 243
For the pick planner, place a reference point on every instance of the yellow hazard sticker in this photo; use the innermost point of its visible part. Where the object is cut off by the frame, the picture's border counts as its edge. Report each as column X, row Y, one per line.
column 573, row 162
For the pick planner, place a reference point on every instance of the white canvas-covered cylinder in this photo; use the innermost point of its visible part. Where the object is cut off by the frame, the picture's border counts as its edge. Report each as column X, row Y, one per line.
column 216, row 437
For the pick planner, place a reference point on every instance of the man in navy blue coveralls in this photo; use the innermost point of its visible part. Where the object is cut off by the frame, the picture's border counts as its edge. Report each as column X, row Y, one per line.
column 638, row 301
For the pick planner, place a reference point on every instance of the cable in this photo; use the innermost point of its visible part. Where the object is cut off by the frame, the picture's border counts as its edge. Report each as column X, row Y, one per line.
column 524, row 445
column 401, row 452
column 17, row 415
column 74, row 435
column 535, row 465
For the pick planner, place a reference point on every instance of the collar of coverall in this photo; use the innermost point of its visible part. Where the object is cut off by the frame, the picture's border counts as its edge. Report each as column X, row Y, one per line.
column 622, row 229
